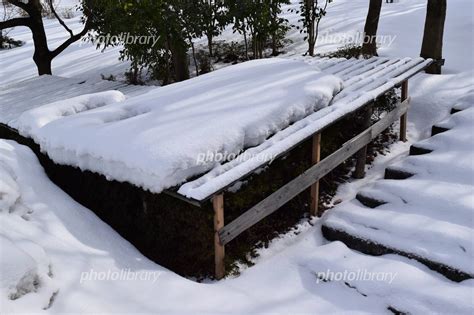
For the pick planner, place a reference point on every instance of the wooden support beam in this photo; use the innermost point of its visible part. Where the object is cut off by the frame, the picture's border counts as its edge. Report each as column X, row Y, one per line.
column 219, row 248
column 362, row 154
column 309, row 177
column 403, row 119
column 316, row 157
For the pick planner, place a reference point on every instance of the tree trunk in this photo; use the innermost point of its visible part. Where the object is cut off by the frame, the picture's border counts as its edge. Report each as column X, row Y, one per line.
column 432, row 46
column 194, row 56
column 180, row 61
column 274, row 45
column 42, row 56
column 311, row 6
column 209, row 44
column 369, row 46
column 246, row 45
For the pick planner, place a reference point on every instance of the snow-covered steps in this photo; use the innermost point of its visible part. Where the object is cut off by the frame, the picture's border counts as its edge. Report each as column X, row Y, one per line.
column 424, row 208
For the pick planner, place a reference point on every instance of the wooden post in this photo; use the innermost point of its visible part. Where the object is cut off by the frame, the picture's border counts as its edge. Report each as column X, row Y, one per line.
column 362, row 154
column 219, row 249
column 403, row 119
column 316, row 157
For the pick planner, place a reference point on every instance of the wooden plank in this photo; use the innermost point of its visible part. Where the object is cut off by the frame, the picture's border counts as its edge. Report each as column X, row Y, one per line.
column 219, row 249
column 173, row 193
column 310, row 176
column 316, row 157
column 403, row 118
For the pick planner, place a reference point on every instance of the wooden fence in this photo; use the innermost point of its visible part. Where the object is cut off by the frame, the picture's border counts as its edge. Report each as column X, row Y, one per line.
column 308, row 179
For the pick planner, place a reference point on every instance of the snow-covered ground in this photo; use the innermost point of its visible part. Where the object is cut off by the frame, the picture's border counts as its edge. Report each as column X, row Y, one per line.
column 59, row 256
column 54, row 252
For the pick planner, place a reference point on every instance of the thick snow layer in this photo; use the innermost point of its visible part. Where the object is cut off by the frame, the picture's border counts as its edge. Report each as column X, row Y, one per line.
column 76, row 257
column 364, row 80
column 432, row 213
column 31, row 121
column 158, row 140
column 17, row 98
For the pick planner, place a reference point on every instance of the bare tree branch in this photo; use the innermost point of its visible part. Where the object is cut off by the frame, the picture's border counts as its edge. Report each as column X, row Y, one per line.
column 15, row 22
column 50, row 2
column 71, row 40
column 22, row 5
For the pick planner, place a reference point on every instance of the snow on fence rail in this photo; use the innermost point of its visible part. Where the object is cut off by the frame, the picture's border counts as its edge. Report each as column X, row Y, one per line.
column 365, row 79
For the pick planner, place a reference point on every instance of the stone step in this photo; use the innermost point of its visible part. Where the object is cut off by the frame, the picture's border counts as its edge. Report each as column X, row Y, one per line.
column 393, row 173
column 369, row 201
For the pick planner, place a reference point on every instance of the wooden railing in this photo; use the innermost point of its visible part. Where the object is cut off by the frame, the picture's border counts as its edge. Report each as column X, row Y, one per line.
column 310, row 178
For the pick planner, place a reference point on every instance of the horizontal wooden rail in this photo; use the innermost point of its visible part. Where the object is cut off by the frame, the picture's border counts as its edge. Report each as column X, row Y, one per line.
column 309, row 177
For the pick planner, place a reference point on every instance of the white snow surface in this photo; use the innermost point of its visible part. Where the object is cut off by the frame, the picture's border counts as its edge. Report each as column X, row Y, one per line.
column 63, row 243
column 155, row 140
column 432, row 213
column 48, row 241
column 32, row 120
column 363, row 80
column 19, row 97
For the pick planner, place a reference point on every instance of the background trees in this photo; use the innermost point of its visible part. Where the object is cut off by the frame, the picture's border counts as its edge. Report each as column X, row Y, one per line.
column 166, row 21
column 178, row 23
column 32, row 17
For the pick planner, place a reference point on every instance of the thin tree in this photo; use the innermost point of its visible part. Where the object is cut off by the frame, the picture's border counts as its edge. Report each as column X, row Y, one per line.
column 311, row 13
column 432, row 46
column 369, row 46
column 33, row 19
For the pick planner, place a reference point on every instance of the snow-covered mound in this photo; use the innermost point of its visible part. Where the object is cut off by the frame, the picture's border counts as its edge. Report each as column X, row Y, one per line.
column 155, row 140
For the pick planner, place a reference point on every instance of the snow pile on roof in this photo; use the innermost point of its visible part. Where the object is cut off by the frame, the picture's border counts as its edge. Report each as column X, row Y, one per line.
column 79, row 265
column 155, row 140
column 431, row 214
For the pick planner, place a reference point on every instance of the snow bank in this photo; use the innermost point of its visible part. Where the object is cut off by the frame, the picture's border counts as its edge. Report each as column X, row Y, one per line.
column 8, row 188
column 157, row 140
column 18, row 269
column 62, row 243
